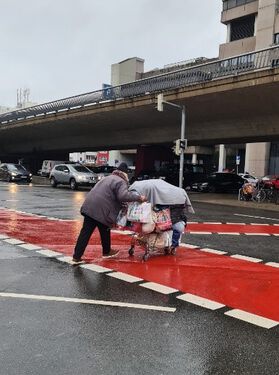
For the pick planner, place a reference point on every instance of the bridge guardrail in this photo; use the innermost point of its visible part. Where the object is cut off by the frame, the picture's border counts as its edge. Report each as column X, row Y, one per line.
column 257, row 60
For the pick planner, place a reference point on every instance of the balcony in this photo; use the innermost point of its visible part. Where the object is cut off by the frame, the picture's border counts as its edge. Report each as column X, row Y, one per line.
column 241, row 8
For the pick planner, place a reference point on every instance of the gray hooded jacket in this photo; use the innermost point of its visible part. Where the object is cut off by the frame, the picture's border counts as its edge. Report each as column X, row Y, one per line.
column 104, row 201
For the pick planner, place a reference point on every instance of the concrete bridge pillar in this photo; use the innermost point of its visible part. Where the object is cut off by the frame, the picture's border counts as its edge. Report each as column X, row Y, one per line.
column 222, row 158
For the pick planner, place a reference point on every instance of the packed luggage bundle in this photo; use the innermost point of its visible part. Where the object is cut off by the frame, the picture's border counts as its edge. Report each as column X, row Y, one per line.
column 150, row 221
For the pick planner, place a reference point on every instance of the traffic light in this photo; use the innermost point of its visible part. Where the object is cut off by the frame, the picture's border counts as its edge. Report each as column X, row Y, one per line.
column 160, row 100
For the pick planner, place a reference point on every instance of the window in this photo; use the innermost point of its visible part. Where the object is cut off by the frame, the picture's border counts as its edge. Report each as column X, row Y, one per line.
column 242, row 28
column 276, row 38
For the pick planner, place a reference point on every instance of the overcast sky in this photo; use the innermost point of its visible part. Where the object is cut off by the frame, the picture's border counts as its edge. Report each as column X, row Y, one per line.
column 60, row 48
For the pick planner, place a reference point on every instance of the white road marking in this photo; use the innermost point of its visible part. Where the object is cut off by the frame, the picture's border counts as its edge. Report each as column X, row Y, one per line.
column 29, row 246
column 258, row 224
column 275, row 234
column 49, row 253
column 125, row 277
column 66, row 260
column 200, row 301
column 189, row 246
column 95, row 268
column 122, row 231
column 230, row 233
column 252, row 318
column 212, row 222
column 236, row 223
column 3, row 236
column 200, row 232
column 272, row 264
column 249, row 259
column 159, row 288
column 257, row 234
column 213, row 251
column 88, row 301
column 258, row 217
column 193, row 222
column 13, row 241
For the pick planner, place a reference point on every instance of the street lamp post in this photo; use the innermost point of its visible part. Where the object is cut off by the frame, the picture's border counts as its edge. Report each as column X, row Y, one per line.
column 182, row 141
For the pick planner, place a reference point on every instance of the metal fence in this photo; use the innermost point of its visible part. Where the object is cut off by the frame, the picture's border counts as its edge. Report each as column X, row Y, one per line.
column 263, row 59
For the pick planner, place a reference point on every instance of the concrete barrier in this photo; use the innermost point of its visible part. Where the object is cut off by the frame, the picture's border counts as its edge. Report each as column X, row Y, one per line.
column 39, row 180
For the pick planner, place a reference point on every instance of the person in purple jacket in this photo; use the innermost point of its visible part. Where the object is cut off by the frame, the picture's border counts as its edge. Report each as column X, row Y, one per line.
column 100, row 209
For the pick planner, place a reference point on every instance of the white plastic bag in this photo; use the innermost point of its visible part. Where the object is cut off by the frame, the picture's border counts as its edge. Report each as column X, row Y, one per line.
column 159, row 240
column 139, row 212
column 121, row 220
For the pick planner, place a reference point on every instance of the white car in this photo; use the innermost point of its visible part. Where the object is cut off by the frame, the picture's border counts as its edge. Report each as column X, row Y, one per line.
column 251, row 179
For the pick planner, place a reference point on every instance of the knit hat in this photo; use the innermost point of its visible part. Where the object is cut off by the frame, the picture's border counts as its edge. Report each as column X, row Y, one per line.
column 123, row 167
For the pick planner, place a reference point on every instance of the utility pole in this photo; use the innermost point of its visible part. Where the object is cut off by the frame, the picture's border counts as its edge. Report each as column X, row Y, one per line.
column 180, row 144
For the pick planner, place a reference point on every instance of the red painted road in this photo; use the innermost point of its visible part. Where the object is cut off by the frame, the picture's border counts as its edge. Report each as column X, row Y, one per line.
column 232, row 228
column 235, row 283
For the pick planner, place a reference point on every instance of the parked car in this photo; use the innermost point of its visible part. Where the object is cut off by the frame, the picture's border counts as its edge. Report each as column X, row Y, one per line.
column 102, row 170
column 48, row 165
column 170, row 173
column 220, row 182
column 74, row 175
column 14, row 172
column 251, row 179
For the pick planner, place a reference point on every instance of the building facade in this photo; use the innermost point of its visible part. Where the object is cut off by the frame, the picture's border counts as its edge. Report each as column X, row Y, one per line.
column 252, row 25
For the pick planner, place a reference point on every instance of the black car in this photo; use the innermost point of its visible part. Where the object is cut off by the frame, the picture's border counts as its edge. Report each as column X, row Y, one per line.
column 14, row 172
column 170, row 173
column 219, row 182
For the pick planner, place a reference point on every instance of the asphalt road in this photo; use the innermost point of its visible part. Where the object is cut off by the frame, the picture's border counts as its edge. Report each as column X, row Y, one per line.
column 128, row 334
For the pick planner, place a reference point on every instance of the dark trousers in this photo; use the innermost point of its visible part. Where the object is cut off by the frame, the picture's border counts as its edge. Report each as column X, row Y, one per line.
column 87, row 229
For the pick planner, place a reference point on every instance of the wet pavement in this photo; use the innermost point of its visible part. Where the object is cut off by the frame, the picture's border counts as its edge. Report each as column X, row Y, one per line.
column 199, row 337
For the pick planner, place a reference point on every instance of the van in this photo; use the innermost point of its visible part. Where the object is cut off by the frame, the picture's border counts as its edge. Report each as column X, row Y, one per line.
column 48, row 165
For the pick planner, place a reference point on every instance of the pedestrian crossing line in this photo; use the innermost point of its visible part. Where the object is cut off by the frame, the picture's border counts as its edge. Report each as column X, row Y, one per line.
column 159, row 288
column 200, row 301
column 189, row 246
column 244, row 257
column 88, row 302
column 200, row 232
column 252, row 318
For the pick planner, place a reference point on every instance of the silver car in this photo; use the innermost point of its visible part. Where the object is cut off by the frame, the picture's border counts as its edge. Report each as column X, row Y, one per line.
column 74, row 175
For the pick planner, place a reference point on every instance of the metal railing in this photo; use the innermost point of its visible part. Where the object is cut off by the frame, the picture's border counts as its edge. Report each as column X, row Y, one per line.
column 199, row 74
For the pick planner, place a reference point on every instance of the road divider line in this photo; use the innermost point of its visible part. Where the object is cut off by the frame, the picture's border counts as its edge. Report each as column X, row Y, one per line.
column 159, row 288
column 200, row 232
column 272, row 264
column 230, row 233
column 213, row 251
column 29, row 246
column 189, row 246
column 95, row 268
column 244, row 257
column 252, row 318
column 257, row 234
column 3, row 237
column 200, row 301
column 13, row 241
column 258, row 217
column 49, row 253
column 88, row 301
column 125, row 277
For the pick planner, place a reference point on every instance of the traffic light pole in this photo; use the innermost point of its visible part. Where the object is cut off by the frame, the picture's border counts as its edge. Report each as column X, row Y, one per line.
column 183, row 141
column 182, row 138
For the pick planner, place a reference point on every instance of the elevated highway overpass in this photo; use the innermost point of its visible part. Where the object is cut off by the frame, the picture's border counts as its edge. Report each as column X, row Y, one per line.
column 229, row 101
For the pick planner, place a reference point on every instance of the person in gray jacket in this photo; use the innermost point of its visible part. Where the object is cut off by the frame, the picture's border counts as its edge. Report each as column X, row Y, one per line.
column 100, row 209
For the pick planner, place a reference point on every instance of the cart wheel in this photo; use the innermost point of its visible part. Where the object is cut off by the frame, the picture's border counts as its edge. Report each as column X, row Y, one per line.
column 145, row 257
column 131, row 251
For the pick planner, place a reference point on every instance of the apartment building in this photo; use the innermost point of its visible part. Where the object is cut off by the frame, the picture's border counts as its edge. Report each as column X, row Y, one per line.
column 252, row 25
